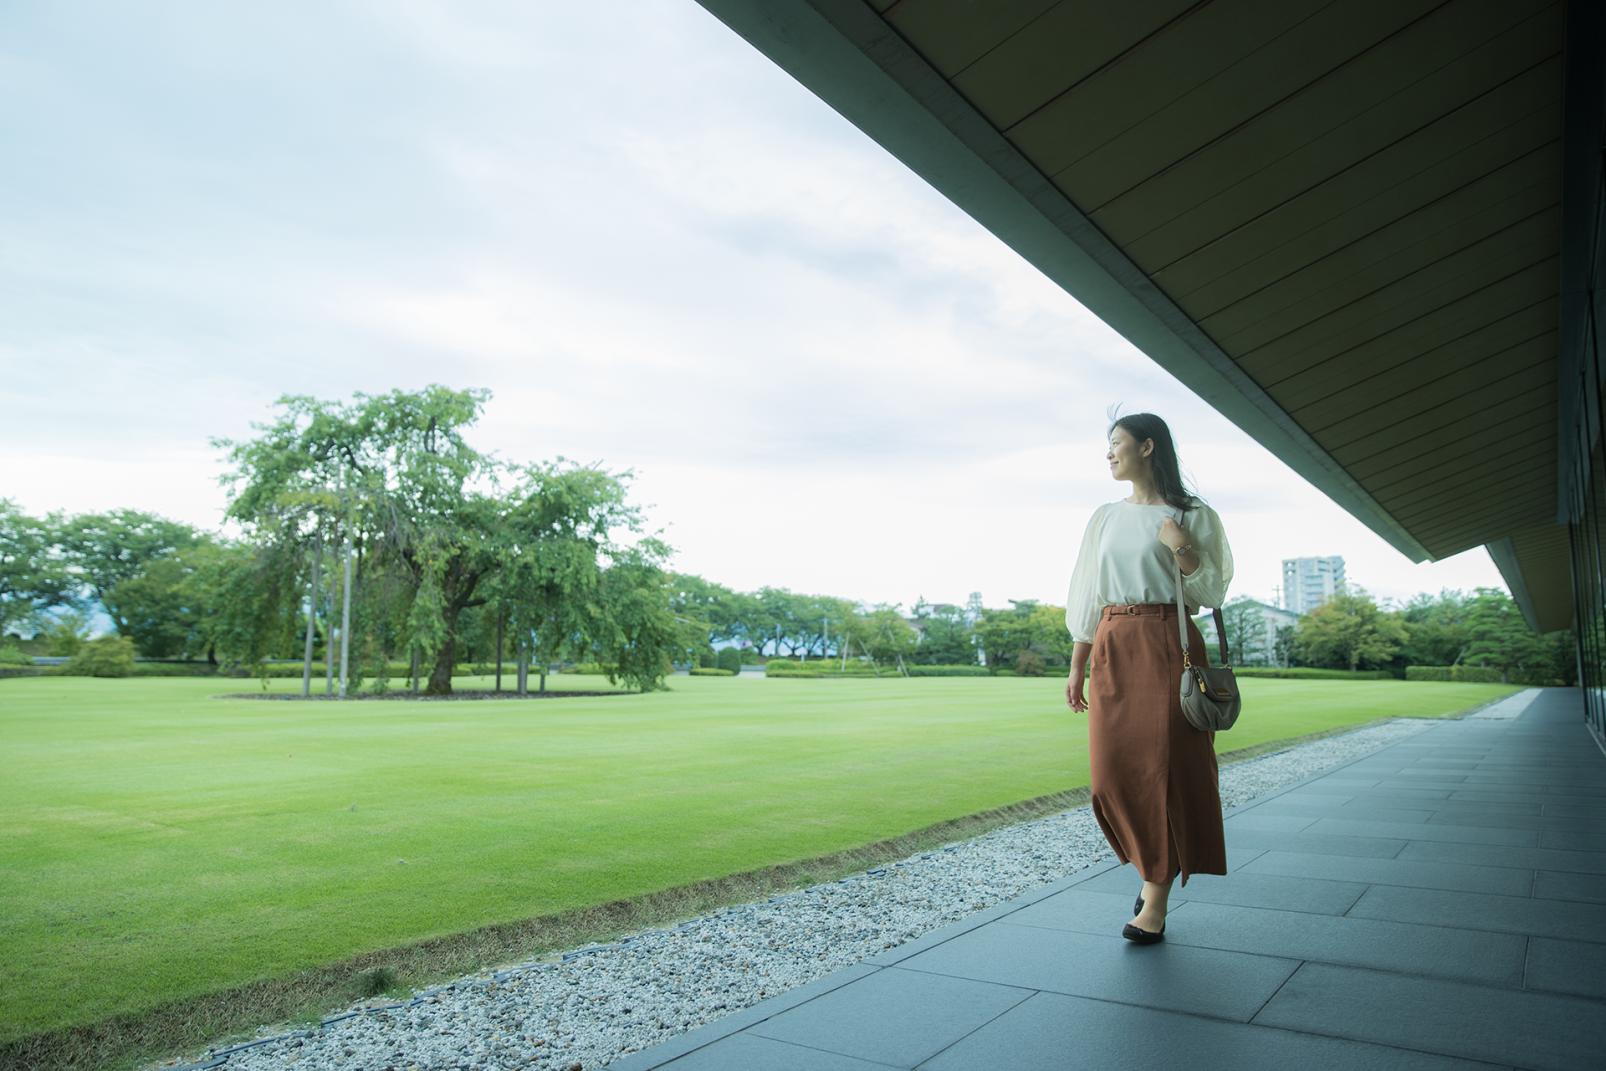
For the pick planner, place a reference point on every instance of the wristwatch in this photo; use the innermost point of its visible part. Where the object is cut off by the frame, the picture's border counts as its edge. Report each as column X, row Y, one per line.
column 1180, row 551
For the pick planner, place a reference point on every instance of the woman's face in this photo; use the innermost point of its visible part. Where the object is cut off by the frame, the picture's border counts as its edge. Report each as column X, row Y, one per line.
column 1126, row 456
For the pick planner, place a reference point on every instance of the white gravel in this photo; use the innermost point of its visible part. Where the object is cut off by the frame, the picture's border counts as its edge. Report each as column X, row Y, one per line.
column 602, row 1002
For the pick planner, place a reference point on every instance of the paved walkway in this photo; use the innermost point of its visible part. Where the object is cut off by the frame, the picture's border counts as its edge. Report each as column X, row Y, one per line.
column 1438, row 904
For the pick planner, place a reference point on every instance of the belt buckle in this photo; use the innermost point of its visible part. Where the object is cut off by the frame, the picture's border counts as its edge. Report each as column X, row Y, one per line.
column 1132, row 609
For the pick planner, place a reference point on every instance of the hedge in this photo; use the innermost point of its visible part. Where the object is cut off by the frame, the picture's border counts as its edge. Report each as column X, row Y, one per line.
column 949, row 671
column 785, row 667
column 1313, row 673
column 710, row 671
column 394, row 670
column 590, row 669
column 1478, row 675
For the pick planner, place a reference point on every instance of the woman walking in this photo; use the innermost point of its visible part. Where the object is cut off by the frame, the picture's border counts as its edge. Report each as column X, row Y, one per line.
column 1154, row 779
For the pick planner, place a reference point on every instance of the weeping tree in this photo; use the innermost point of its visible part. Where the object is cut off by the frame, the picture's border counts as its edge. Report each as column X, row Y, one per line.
column 558, row 533
column 437, row 527
column 637, row 633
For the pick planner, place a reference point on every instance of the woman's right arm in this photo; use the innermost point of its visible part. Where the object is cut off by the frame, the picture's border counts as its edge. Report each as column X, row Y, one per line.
column 1082, row 610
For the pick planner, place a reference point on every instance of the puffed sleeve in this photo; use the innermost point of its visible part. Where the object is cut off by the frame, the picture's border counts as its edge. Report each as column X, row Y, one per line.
column 1207, row 585
column 1082, row 604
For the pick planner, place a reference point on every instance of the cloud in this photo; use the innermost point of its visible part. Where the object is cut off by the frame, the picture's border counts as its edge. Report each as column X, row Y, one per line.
column 657, row 249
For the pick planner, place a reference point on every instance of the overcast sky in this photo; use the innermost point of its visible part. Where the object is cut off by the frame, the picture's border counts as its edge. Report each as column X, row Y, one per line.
column 656, row 249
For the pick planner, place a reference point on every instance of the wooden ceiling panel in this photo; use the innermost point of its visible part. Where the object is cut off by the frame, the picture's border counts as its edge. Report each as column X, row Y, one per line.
column 1325, row 87
column 1057, row 51
column 1520, row 432
column 1252, row 257
column 1544, row 559
column 1270, row 83
column 1425, row 490
column 1473, row 212
column 1410, row 442
column 1172, row 62
column 953, row 34
column 1459, row 350
column 1418, row 386
column 1396, row 289
column 1451, row 400
column 1453, row 422
column 1349, row 164
column 1482, row 519
column 1411, row 328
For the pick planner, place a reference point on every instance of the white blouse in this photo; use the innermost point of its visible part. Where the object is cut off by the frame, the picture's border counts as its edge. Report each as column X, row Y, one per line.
column 1122, row 560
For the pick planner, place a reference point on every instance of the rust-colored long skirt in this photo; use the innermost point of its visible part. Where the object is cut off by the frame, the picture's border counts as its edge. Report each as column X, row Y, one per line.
column 1155, row 785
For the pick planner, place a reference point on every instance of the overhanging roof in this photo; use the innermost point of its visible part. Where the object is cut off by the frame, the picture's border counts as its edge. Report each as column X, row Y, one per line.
column 1339, row 224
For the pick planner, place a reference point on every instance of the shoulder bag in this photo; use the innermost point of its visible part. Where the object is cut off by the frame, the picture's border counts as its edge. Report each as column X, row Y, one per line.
column 1210, row 697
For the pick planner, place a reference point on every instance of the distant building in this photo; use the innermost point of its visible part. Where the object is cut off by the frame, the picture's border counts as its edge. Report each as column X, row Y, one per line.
column 1309, row 582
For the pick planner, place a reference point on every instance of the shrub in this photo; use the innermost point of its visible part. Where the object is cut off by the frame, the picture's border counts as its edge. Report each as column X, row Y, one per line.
column 710, row 671
column 949, row 671
column 109, row 656
column 11, row 655
column 174, row 669
column 785, row 667
column 707, row 659
column 1029, row 664
column 591, row 669
column 1471, row 674
column 729, row 658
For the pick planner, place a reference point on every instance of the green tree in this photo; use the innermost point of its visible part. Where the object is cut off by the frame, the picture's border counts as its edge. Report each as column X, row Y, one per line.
column 716, row 606
column 752, row 620
column 67, row 631
column 1500, row 637
column 945, row 635
column 393, row 475
column 32, row 577
column 1246, row 630
column 1349, row 631
column 103, row 550
column 638, row 637
column 1004, row 634
column 887, row 636
column 551, row 549
column 1436, row 630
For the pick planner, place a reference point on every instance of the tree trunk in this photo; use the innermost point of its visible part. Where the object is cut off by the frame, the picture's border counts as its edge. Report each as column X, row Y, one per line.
column 312, row 622
column 440, row 677
column 543, row 675
column 499, row 617
column 524, row 670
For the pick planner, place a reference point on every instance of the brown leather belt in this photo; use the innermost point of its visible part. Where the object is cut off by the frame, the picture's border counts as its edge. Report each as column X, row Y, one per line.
column 1161, row 609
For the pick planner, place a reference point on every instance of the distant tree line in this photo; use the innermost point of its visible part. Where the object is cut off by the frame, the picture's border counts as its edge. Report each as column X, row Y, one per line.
column 374, row 534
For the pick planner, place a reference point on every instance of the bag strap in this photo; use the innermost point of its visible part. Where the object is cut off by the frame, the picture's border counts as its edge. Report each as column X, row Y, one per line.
column 1182, row 613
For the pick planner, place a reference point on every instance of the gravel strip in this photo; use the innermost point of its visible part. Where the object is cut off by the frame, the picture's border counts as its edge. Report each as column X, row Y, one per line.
column 605, row 1001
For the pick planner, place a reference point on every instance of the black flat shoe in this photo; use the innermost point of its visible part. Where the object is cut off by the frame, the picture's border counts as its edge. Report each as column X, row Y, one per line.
column 1137, row 905
column 1142, row 937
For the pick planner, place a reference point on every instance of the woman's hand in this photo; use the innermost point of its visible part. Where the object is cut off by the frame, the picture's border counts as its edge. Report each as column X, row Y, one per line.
column 1073, row 690
column 1173, row 535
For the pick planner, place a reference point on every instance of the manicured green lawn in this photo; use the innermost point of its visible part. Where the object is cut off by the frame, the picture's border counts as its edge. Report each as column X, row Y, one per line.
column 160, row 843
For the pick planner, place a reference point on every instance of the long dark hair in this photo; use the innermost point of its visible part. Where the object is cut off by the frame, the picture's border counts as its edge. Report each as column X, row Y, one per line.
column 1167, row 472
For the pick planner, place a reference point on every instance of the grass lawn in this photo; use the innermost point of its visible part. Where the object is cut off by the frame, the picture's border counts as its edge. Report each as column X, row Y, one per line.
column 160, row 842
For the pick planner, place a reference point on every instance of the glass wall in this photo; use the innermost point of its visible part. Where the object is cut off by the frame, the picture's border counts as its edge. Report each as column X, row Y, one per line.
column 1586, row 506
column 1585, row 502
